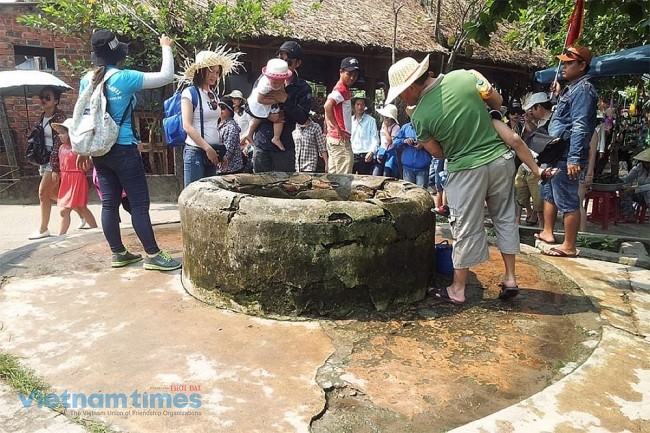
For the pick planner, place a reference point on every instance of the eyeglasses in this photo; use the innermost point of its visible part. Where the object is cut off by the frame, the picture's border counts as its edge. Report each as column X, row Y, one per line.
column 47, row 98
column 213, row 100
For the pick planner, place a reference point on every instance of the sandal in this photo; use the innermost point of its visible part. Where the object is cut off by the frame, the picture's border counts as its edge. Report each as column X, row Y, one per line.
column 508, row 292
column 548, row 174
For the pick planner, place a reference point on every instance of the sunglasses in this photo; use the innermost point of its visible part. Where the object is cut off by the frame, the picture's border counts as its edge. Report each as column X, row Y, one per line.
column 213, row 101
column 47, row 98
column 573, row 54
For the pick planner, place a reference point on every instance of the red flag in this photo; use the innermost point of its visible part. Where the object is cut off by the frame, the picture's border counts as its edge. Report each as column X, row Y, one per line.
column 575, row 23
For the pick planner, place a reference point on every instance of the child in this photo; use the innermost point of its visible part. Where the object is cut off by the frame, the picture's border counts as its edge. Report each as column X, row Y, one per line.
column 261, row 104
column 73, row 192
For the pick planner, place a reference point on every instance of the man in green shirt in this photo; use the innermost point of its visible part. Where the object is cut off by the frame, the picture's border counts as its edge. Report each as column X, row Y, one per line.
column 452, row 122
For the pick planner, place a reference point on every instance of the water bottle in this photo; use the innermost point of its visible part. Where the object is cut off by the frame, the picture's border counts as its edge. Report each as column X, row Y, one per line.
column 484, row 88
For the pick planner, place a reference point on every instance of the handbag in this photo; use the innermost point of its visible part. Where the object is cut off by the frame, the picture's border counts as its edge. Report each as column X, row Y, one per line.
column 37, row 152
column 549, row 148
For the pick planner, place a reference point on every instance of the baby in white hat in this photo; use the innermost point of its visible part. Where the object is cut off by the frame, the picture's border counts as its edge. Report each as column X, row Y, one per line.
column 261, row 103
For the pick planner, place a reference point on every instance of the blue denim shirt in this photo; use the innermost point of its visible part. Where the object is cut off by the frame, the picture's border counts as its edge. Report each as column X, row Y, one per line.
column 574, row 119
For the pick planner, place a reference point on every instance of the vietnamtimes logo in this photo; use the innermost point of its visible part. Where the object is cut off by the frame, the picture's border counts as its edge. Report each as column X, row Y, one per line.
column 97, row 400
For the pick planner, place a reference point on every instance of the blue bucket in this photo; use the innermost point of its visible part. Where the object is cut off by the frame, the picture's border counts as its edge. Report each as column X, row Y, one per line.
column 444, row 264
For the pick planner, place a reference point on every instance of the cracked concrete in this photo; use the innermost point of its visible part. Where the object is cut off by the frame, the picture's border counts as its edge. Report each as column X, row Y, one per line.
column 487, row 366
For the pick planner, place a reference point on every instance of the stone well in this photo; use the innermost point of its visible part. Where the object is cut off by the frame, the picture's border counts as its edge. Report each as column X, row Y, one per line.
column 300, row 244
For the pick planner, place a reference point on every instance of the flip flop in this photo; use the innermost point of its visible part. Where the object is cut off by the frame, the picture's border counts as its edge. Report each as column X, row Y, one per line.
column 539, row 238
column 508, row 292
column 443, row 295
column 556, row 252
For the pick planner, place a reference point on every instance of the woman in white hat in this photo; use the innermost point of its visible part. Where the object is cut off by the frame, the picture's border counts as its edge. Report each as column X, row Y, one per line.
column 262, row 104
column 200, row 111
column 386, row 158
column 122, row 168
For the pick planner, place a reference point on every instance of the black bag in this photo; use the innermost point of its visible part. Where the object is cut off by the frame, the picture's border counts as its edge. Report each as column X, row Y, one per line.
column 37, row 152
column 550, row 149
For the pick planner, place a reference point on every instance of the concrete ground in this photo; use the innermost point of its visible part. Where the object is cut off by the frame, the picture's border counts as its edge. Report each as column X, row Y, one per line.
column 88, row 329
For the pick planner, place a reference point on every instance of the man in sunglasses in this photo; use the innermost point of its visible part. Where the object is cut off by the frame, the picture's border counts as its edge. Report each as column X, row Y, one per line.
column 295, row 102
column 574, row 121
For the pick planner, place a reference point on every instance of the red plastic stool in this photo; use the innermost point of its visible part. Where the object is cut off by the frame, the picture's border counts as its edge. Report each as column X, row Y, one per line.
column 604, row 207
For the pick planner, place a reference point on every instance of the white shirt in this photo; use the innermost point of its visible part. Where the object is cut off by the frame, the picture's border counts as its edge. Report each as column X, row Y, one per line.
column 365, row 135
column 210, row 118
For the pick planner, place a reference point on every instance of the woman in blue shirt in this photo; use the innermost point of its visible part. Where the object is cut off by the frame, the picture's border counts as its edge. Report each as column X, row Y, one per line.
column 122, row 168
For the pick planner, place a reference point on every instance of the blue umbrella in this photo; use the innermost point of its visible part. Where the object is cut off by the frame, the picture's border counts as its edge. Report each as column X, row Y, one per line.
column 633, row 61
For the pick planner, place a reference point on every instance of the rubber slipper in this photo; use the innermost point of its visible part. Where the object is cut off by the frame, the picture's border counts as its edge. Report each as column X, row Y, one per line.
column 508, row 292
column 443, row 295
column 556, row 252
column 539, row 238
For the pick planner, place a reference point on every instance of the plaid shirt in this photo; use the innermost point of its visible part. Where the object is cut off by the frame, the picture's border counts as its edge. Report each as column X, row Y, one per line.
column 310, row 142
column 229, row 134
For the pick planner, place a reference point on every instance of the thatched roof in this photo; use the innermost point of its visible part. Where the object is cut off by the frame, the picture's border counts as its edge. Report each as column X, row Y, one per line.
column 367, row 25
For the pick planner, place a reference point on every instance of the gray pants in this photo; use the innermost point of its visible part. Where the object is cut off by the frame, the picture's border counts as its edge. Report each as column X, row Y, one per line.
column 467, row 192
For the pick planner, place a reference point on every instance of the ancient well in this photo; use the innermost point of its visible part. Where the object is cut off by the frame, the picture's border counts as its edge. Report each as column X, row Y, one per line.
column 301, row 244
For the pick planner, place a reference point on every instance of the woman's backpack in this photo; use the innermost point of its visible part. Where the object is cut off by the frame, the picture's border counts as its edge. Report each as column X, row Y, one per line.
column 93, row 131
column 172, row 122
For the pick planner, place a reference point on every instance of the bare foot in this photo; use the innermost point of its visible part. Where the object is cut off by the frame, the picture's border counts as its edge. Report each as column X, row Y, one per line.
column 278, row 143
column 542, row 237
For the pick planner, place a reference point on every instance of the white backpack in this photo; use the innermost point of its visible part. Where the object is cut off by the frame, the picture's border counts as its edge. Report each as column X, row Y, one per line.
column 93, row 131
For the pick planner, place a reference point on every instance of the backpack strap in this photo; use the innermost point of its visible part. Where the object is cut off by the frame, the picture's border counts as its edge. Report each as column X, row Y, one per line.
column 197, row 93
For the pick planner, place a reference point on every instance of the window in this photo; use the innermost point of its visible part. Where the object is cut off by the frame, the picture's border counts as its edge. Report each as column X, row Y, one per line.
column 34, row 57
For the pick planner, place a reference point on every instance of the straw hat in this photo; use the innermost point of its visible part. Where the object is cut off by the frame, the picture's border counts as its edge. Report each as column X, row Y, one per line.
column 389, row 110
column 63, row 127
column 643, row 156
column 206, row 59
column 403, row 73
column 277, row 69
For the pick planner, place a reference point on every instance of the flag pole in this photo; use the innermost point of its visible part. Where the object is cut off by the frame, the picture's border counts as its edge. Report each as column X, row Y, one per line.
column 559, row 64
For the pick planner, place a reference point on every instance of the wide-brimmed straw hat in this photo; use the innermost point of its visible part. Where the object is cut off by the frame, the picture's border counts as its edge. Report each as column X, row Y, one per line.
column 389, row 110
column 643, row 156
column 207, row 59
column 107, row 49
column 277, row 69
column 64, row 126
column 404, row 73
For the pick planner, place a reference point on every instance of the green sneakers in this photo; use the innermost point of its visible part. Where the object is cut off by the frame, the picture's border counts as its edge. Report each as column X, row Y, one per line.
column 161, row 262
column 119, row 260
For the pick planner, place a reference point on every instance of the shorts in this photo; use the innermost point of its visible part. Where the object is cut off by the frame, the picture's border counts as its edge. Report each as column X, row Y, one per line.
column 43, row 168
column 563, row 191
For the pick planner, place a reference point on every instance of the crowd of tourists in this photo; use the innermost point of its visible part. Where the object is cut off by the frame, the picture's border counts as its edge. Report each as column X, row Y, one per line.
column 454, row 141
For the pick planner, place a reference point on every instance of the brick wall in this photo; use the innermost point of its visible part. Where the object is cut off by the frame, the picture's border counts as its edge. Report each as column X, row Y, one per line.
column 72, row 49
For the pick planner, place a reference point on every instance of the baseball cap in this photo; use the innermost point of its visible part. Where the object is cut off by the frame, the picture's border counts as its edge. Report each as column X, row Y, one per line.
column 577, row 52
column 292, row 48
column 350, row 64
column 515, row 107
column 536, row 98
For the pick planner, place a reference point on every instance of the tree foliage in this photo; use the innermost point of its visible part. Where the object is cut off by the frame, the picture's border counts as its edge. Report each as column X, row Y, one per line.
column 192, row 26
column 608, row 25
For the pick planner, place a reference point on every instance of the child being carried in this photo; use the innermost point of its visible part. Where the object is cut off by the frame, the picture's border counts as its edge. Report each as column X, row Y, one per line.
column 261, row 105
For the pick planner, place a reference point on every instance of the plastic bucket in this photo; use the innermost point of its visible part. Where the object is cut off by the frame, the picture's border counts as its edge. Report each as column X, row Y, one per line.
column 444, row 264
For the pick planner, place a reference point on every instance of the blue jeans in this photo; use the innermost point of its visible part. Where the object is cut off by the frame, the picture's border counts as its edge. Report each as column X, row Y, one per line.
column 196, row 164
column 563, row 191
column 121, row 168
column 418, row 177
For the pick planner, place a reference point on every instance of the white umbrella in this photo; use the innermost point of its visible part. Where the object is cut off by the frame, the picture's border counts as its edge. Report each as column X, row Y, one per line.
column 28, row 83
